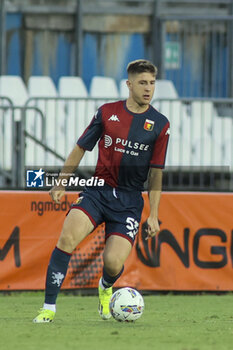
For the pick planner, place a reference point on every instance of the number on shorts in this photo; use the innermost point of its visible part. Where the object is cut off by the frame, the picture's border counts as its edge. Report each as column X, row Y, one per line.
column 132, row 226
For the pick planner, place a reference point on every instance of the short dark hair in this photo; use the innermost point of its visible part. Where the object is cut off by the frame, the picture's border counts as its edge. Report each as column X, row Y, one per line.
column 141, row 66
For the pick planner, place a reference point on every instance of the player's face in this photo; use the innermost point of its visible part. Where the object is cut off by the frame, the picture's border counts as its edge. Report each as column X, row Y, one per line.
column 141, row 87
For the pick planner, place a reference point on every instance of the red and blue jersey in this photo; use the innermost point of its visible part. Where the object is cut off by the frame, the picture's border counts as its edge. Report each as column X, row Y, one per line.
column 129, row 144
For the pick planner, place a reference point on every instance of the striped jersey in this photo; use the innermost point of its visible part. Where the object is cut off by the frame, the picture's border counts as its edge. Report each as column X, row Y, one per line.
column 129, row 144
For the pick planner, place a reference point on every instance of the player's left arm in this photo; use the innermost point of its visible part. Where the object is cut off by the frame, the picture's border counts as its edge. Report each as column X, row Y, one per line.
column 155, row 178
column 154, row 193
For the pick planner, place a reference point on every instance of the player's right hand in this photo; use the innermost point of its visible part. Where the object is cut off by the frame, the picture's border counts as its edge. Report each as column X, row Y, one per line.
column 56, row 193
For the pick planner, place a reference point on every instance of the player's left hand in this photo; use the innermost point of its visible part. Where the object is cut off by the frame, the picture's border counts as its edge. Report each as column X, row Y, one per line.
column 153, row 227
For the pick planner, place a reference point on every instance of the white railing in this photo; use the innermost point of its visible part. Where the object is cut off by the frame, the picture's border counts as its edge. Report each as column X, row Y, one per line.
column 201, row 132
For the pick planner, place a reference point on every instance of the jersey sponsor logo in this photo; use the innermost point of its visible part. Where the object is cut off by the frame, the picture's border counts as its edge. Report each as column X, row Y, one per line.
column 114, row 118
column 107, row 141
column 130, row 144
column 130, row 147
column 149, row 125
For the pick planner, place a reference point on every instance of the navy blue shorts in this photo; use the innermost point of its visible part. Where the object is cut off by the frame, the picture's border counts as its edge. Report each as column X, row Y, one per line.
column 120, row 210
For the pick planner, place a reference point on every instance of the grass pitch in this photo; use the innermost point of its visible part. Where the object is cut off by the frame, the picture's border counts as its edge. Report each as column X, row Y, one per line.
column 169, row 322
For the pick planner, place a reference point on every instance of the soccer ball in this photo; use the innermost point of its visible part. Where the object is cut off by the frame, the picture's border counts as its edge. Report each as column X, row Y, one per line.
column 126, row 305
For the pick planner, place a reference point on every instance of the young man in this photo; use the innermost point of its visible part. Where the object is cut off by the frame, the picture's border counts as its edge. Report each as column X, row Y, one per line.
column 133, row 140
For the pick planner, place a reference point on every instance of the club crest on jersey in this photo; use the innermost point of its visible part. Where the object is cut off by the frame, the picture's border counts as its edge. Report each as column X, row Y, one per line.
column 149, row 125
column 79, row 200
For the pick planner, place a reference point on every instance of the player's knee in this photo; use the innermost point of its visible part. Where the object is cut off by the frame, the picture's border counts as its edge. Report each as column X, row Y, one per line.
column 66, row 241
column 112, row 265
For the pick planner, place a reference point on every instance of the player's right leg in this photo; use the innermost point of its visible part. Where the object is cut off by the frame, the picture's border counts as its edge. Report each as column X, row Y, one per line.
column 77, row 226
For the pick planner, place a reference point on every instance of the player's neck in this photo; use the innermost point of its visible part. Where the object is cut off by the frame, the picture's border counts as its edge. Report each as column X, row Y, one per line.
column 134, row 107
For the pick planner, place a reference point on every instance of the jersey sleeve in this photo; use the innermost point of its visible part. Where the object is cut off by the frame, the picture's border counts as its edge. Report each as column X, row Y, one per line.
column 160, row 148
column 92, row 133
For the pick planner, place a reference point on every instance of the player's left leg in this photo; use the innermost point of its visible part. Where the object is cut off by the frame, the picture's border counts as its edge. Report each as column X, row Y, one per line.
column 116, row 251
column 122, row 214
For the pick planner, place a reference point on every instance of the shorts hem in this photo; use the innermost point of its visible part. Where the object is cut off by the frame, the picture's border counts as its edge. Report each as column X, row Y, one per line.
column 85, row 212
column 119, row 234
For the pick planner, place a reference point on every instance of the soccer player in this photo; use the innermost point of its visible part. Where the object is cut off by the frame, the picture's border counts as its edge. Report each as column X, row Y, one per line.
column 132, row 138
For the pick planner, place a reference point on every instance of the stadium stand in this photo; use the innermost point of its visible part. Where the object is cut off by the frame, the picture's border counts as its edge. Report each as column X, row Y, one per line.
column 78, row 110
column 43, row 94
column 222, row 132
column 72, row 87
column 203, row 115
column 200, row 137
column 103, row 87
column 124, row 91
column 13, row 88
column 165, row 89
column 166, row 101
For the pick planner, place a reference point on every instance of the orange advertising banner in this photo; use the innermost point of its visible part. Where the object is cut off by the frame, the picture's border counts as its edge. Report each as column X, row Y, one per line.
column 192, row 251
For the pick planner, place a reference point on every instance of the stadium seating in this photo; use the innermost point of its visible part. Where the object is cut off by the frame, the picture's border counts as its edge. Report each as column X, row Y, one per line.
column 175, row 111
column 72, row 87
column 198, row 135
column 222, row 132
column 75, row 112
column 103, row 87
column 207, row 152
column 124, row 91
column 206, row 149
column 228, row 154
column 6, row 139
column 165, row 89
column 179, row 152
column 14, row 88
column 40, row 88
column 78, row 113
column 203, row 114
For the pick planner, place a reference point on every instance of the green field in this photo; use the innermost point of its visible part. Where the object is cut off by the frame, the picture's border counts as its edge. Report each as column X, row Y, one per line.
column 179, row 322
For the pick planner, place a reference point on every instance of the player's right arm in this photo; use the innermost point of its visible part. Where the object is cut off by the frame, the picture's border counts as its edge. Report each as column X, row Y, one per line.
column 71, row 164
column 86, row 141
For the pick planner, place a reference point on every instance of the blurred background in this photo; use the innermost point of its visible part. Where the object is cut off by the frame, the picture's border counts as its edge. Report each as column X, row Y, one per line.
column 60, row 60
